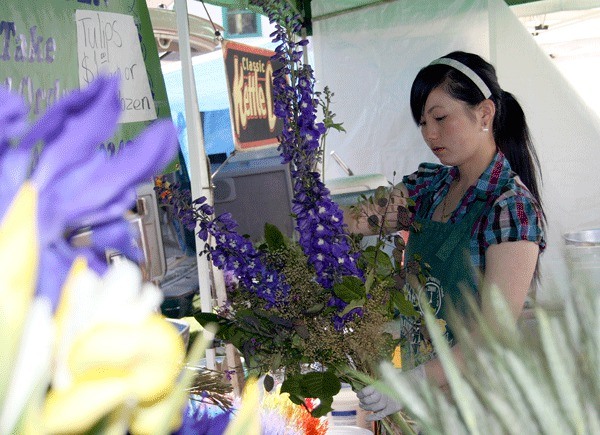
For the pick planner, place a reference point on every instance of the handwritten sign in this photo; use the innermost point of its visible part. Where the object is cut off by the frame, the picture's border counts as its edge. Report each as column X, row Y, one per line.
column 108, row 43
column 249, row 73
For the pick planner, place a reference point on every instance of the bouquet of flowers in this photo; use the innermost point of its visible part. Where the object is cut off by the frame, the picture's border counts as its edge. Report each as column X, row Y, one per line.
column 315, row 308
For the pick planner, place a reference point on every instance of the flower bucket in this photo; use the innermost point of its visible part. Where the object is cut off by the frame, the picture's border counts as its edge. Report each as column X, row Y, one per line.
column 583, row 254
column 347, row 190
column 346, row 410
column 348, row 430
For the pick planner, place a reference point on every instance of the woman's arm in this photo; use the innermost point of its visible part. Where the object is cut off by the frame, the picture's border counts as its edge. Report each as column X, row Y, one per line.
column 510, row 267
column 358, row 217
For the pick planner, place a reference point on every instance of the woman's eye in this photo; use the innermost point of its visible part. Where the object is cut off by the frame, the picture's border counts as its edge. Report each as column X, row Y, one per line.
column 440, row 118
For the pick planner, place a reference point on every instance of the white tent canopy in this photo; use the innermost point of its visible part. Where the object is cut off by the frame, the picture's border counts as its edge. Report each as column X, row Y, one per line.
column 370, row 57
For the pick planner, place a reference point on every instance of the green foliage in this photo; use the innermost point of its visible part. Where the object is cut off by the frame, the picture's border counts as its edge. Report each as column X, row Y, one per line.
column 288, row 338
column 322, row 385
column 546, row 381
column 350, row 289
column 274, row 237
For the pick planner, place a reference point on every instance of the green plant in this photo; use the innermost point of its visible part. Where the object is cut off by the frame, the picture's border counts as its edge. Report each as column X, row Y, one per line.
column 515, row 383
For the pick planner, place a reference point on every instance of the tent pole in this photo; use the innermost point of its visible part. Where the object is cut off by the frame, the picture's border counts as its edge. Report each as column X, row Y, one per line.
column 199, row 170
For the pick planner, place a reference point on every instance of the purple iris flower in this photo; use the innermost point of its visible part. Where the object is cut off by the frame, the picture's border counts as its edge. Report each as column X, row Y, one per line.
column 79, row 185
column 13, row 162
column 204, row 419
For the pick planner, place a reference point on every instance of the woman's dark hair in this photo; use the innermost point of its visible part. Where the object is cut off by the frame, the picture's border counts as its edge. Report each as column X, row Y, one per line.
column 510, row 127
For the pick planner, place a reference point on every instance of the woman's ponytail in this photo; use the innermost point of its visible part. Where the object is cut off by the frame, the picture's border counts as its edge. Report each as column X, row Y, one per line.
column 512, row 138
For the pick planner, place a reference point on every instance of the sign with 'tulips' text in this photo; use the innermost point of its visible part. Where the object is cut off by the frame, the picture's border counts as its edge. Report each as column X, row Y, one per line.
column 249, row 72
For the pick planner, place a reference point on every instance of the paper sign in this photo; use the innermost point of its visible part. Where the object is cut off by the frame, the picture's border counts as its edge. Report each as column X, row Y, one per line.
column 108, row 43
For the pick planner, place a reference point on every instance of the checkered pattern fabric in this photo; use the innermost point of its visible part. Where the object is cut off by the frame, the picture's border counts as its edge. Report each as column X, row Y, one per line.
column 511, row 214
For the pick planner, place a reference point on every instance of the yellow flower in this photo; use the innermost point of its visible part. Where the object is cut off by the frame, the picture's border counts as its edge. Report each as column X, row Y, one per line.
column 247, row 420
column 19, row 313
column 19, row 256
column 131, row 361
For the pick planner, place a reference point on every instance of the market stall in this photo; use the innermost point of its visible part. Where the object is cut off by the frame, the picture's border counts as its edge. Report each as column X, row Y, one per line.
column 316, row 315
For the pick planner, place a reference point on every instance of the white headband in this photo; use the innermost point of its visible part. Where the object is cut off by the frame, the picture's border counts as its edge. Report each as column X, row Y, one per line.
column 466, row 71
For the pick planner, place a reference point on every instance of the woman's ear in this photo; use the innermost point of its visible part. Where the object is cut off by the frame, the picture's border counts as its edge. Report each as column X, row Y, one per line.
column 487, row 110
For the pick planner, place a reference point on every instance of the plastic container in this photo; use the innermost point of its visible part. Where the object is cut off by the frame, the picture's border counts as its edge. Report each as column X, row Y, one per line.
column 346, row 191
column 583, row 255
column 346, row 411
column 348, row 430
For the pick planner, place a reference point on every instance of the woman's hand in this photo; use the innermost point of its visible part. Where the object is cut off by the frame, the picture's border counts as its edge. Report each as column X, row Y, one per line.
column 381, row 405
column 370, row 399
column 390, row 215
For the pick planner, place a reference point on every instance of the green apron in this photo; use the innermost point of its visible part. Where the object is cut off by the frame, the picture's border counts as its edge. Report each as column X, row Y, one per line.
column 445, row 247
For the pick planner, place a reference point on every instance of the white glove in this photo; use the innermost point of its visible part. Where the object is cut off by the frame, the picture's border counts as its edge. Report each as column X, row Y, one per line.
column 372, row 400
column 382, row 405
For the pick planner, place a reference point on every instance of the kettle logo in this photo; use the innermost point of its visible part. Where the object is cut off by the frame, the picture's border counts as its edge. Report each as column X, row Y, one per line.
column 250, row 80
column 252, row 96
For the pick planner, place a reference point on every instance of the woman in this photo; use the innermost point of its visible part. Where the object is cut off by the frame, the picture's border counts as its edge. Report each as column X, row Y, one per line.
column 483, row 200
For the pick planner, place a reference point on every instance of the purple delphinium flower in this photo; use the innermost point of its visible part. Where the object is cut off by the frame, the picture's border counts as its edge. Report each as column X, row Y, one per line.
column 319, row 220
column 79, row 185
column 230, row 251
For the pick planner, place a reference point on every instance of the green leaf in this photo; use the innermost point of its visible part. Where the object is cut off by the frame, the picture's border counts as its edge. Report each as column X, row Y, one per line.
column 351, row 288
column 320, row 384
column 269, row 382
column 369, row 281
column 378, row 260
column 324, row 407
column 405, row 307
column 276, row 362
column 373, row 220
column 399, row 243
column 274, row 238
column 382, row 202
column 302, row 330
column 315, row 385
column 381, row 193
column 291, row 385
column 315, row 309
column 357, row 303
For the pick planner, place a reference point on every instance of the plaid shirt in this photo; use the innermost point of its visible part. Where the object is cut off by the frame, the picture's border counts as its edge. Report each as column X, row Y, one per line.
column 511, row 213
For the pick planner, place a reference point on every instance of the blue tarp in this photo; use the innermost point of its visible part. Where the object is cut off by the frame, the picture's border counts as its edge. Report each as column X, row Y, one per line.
column 213, row 103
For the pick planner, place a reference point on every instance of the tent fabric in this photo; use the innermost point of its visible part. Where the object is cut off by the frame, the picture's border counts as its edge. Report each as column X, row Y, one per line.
column 549, row 6
column 331, row 7
column 369, row 59
column 211, row 88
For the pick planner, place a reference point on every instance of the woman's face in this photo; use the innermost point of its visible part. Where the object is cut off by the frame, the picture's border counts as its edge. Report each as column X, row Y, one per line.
column 451, row 129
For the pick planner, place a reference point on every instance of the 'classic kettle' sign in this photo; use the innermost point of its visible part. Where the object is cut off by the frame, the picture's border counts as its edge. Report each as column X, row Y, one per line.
column 249, row 73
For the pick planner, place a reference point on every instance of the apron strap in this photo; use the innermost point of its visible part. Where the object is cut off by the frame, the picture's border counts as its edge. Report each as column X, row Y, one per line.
column 460, row 231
